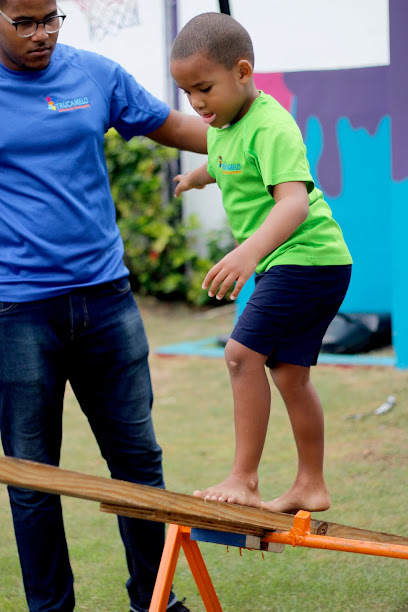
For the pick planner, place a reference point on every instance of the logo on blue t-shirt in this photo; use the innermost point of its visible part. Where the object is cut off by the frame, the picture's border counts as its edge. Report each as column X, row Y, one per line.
column 229, row 168
column 68, row 105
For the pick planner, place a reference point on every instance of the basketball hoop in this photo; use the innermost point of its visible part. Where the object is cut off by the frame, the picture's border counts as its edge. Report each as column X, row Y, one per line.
column 108, row 16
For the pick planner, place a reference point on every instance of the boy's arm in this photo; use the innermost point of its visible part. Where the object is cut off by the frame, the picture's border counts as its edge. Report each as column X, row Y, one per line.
column 194, row 179
column 183, row 132
column 290, row 211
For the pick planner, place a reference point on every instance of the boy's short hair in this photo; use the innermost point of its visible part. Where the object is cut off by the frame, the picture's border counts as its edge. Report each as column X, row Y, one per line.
column 216, row 35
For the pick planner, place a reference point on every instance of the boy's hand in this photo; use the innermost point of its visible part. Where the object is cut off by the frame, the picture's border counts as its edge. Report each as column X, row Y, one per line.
column 194, row 179
column 238, row 266
column 185, row 182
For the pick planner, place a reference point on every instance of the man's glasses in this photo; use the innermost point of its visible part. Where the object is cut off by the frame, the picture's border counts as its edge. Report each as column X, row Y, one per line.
column 26, row 28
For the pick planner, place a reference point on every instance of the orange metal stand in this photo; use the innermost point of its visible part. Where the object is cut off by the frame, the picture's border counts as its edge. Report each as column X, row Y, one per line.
column 178, row 536
column 298, row 535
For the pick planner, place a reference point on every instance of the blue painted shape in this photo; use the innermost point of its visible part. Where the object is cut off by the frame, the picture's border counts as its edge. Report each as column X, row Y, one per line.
column 399, row 272
column 219, row 537
column 206, row 347
column 363, row 209
column 373, row 213
column 354, row 360
column 244, row 296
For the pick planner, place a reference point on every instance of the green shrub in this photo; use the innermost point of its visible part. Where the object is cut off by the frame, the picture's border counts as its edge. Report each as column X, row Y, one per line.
column 160, row 250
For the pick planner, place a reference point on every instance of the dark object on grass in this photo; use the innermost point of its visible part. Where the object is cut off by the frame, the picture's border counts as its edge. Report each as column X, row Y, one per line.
column 357, row 333
column 223, row 339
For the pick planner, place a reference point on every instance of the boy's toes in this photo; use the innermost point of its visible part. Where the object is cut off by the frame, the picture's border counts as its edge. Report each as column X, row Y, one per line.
column 209, row 495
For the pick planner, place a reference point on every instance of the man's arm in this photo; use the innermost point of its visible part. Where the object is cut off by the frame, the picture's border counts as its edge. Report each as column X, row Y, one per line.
column 182, row 131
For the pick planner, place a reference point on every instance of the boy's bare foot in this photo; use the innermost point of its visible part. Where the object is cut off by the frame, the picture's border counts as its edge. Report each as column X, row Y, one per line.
column 233, row 490
column 300, row 499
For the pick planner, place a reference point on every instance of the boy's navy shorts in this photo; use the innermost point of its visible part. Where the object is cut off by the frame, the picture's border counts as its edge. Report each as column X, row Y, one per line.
column 290, row 310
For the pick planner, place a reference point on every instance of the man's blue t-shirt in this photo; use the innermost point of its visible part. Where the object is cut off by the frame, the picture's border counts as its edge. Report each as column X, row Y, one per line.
column 57, row 216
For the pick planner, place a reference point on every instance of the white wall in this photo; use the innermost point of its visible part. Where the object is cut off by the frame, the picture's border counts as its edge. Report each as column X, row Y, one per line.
column 288, row 35
column 140, row 49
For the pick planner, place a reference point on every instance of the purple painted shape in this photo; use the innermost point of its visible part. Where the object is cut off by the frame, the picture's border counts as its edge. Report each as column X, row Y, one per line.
column 359, row 94
column 364, row 95
column 399, row 88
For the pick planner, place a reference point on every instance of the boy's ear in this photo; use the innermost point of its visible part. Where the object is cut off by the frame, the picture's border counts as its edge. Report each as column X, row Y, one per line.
column 245, row 70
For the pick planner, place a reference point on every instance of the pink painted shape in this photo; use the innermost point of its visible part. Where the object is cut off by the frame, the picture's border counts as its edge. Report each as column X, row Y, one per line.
column 273, row 84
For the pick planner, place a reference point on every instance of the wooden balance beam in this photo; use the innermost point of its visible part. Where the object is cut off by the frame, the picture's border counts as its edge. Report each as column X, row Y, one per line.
column 139, row 501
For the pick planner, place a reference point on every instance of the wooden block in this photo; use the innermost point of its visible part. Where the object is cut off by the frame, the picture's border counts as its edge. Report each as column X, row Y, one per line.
column 227, row 539
column 274, row 547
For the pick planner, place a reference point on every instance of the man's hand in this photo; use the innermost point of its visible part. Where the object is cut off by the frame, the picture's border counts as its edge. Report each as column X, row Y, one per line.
column 236, row 267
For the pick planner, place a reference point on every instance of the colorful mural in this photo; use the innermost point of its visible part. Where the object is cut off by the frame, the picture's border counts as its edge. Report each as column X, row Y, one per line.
column 355, row 126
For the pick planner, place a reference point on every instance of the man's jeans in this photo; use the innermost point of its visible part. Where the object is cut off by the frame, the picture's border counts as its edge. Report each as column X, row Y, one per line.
column 94, row 338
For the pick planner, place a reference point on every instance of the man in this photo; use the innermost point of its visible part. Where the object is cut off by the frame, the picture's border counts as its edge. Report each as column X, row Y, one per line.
column 66, row 309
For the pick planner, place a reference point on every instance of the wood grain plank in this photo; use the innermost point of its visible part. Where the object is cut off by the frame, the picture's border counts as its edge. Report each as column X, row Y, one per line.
column 120, row 497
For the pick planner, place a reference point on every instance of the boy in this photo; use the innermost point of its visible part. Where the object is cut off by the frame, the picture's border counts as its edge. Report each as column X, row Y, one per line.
column 286, row 234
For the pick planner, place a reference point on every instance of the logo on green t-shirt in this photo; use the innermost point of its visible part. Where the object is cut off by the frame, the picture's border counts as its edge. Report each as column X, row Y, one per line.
column 229, row 168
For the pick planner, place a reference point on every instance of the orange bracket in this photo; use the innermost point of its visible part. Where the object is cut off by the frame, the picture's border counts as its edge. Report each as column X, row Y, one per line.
column 299, row 535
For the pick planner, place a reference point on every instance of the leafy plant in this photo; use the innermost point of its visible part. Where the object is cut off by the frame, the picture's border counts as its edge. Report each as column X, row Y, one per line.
column 160, row 249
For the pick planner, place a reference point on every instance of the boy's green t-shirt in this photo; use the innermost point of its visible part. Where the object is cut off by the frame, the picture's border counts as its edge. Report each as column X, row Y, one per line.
column 247, row 159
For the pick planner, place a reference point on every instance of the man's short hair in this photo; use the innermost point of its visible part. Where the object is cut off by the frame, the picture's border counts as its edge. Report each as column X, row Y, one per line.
column 216, row 35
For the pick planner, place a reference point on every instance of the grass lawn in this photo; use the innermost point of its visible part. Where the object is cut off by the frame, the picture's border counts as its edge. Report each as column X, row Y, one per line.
column 366, row 471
